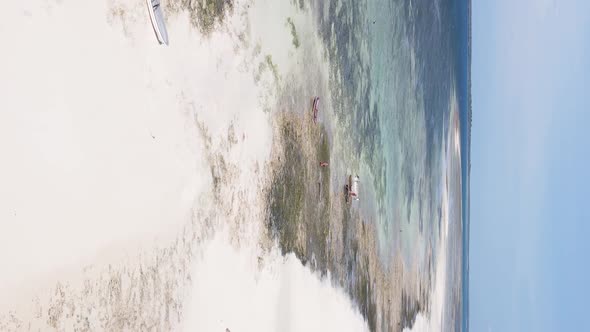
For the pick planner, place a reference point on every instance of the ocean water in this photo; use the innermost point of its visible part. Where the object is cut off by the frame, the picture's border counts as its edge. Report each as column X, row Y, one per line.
column 402, row 69
column 202, row 166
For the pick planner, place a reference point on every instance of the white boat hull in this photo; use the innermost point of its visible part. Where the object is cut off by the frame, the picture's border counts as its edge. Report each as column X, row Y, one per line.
column 157, row 18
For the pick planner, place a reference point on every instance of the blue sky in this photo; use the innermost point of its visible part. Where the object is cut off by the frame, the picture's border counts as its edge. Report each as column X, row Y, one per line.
column 530, row 178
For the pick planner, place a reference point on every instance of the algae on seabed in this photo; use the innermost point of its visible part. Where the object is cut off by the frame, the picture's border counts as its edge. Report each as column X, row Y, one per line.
column 299, row 195
column 203, row 14
column 310, row 219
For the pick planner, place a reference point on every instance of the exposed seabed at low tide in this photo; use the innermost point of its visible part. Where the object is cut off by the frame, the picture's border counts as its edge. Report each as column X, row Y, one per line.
column 312, row 219
column 303, row 205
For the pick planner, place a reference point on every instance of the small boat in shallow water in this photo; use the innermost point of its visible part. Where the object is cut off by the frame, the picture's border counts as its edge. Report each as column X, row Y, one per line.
column 352, row 189
column 157, row 18
column 315, row 110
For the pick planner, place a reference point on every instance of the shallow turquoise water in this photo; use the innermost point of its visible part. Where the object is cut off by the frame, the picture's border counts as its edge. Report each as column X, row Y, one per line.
column 399, row 65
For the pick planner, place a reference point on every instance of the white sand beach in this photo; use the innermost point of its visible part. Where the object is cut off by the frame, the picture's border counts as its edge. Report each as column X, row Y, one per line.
column 129, row 171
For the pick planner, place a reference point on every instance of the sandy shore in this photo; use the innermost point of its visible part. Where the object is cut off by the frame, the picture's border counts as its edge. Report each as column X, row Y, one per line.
column 170, row 188
column 129, row 165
